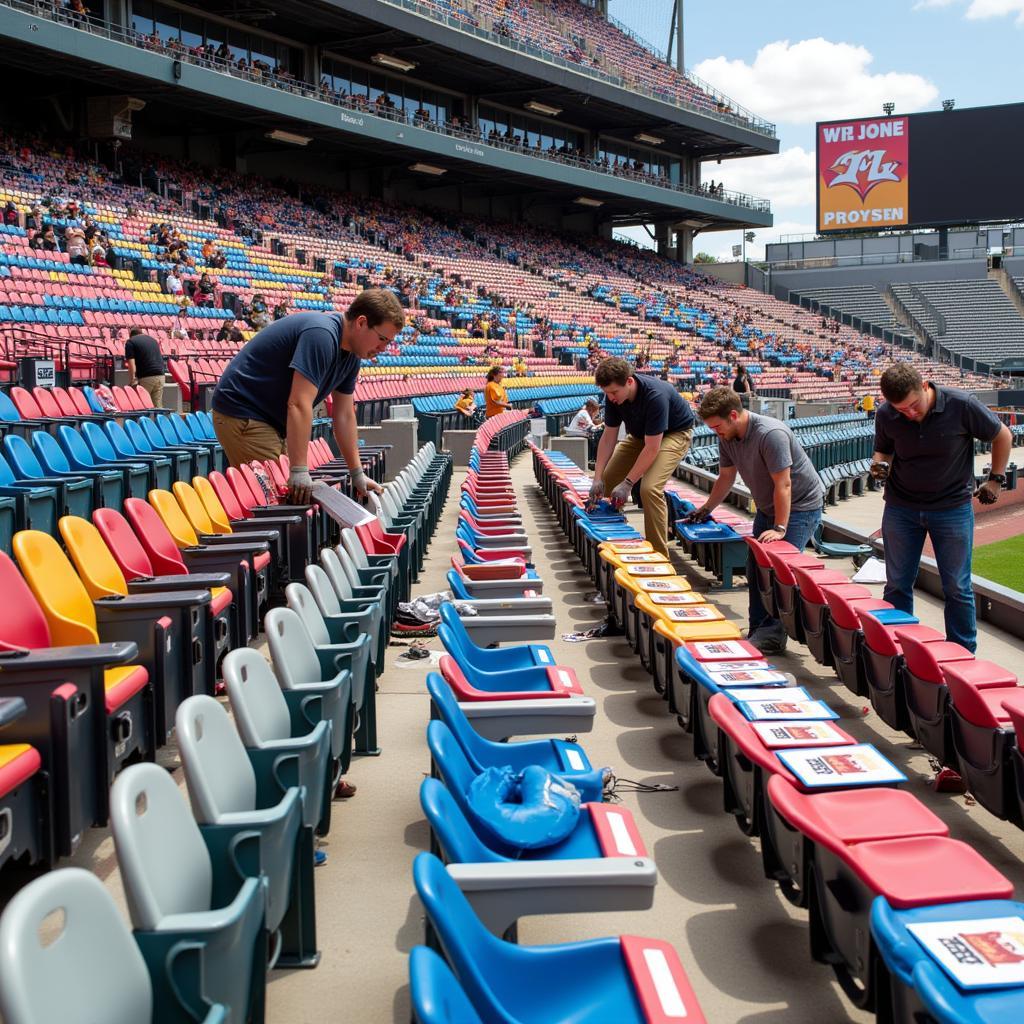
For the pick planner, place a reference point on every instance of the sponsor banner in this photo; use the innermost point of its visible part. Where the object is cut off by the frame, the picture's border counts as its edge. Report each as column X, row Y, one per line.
column 978, row 953
column 859, row 765
column 864, row 174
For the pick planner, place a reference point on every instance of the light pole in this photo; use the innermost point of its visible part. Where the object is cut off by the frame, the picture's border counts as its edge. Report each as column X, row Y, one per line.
column 748, row 236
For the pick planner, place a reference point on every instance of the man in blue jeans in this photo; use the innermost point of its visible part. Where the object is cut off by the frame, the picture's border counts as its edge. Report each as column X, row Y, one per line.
column 782, row 481
column 924, row 452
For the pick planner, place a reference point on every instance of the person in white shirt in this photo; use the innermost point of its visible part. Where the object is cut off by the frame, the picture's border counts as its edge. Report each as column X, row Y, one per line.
column 173, row 283
column 584, row 423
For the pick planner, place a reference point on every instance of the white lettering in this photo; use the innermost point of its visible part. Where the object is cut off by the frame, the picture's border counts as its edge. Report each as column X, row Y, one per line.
column 471, row 150
column 349, row 119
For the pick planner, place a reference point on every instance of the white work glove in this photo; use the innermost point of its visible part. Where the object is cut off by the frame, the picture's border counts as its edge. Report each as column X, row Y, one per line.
column 364, row 485
column 300, row 485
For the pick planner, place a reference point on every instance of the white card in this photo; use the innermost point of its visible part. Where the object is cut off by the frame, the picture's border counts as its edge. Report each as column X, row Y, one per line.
column 748, row 677
column 859, row 765
column 976, row 954
column 664, row 569
column 719, row 650
column 693, row 613
column 663, row 586
column 771, row 710
column 685, row 597
column 802, row 734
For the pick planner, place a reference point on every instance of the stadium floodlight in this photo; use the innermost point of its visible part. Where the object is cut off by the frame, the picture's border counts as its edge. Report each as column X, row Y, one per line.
column 651, row 140
column 587, row 201
column 542, row 108
column 888, row 108
column 428, row 169
column 385, row 60
column 290, row 137
column 948, row 104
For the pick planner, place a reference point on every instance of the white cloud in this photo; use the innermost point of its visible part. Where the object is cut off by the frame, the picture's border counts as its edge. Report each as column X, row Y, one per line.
column 979, row 10
column 817, row 80
column 786, row 179
column 719, row 243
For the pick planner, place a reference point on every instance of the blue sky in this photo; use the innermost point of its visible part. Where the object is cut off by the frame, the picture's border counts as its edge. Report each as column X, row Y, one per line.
column 797, row 62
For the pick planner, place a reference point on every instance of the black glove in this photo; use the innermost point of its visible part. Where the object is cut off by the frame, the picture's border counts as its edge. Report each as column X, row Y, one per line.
column 988, row 492
column 879, row 471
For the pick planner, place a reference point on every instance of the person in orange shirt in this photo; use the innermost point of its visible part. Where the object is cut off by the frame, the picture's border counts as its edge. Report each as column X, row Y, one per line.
column 466, row 404
column 495, row 394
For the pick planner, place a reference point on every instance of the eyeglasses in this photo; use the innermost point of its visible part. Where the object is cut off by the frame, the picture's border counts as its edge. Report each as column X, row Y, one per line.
column 383, row 337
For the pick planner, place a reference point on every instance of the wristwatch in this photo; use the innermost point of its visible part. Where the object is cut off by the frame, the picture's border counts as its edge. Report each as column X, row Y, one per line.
column 998, row 477
column 780, row 527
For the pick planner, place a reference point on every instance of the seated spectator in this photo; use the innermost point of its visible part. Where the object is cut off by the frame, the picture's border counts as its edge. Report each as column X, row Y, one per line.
column 98, row 254
column 205, row 291
column 281, row 310
column 78, row 249
column 466, row 404
column 172, row 283
column 587, row 421
column 229, row 332
column 10, row 213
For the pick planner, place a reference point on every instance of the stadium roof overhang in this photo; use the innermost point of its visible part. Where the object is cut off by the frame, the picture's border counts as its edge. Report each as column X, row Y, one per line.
column 476, row 65
column 200, row 99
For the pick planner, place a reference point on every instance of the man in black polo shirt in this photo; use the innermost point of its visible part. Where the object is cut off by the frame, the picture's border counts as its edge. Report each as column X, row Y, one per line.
column 924, row 451
column 659, row 424
column 145, row 364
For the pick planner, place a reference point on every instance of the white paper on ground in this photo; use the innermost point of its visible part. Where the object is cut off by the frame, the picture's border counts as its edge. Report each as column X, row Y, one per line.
column 978, row 953
column 341, row 508
column 872, row 571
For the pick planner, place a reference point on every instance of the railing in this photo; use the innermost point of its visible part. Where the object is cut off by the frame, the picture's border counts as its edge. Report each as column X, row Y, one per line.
column 869, row 259
column 744, row 119
column 931, row 309
column 471, row 134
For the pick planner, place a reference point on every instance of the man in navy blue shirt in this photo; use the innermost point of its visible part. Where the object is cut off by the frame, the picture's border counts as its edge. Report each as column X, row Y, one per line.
column 659, row 424
column 264, row 402
column 924, row 451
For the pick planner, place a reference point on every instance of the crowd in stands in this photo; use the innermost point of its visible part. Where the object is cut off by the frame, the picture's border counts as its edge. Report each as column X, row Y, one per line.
column 478, row 293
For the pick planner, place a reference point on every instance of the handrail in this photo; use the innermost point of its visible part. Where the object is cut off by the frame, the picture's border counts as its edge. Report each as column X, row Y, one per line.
column 96, row 26
column 931, row 309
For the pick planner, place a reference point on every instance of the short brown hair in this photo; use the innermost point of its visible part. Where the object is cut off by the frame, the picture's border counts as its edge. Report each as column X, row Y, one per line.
column 613, row 371
column 379, row 306
column 720, row 402
column 494, row 371
column 899, row 380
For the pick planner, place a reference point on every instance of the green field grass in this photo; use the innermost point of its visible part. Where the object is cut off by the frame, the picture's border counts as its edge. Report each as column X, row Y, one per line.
column 1002, row 562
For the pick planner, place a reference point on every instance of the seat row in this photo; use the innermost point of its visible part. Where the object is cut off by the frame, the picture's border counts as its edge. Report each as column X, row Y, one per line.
column 519, row 827
column 219, row 895
column 918, row 926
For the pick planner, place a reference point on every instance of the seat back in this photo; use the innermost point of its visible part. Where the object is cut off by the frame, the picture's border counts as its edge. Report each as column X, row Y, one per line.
column 169, row 511
column 333, row 563
column 26, row 404
column 23, row 624
column 165, row 866
column 240, row 485
column 154, row 536
column 291, row 648
column 474, row 953
column 451, row 761
column 79, row 402
column 153, row 433
column 64, row 402
column 257, row 703
column 75, row 447
column 226, row 495
column 302, row 602
column 454, row 834
column 449, row 712
column 138, row 436
column 351, row 543
column 98, row 443
column 218, row 772
column 122, row 543
column 91, row 969
column 6, row 474
column 192, row 506
column 322, row 589
column 97, row 567
column 255, row 487
column 219, row 519
column 437, row 997
column 119, row 440
column 61, row 594
column 8, row 410
column 50, row 454
column 47, row 403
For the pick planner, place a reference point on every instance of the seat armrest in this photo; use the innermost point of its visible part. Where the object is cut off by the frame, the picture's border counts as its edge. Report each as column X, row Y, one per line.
column 53, row 659
column 110, row 606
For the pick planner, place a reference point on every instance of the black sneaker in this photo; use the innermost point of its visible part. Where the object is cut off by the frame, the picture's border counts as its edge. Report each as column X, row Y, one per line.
column 769, row 643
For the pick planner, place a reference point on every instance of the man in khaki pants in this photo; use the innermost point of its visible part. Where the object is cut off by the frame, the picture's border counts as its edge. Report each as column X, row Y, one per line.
column 145, row 364
column 659, row 425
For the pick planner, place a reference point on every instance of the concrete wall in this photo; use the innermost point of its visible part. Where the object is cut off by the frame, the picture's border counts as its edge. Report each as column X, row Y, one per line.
column 731, row 272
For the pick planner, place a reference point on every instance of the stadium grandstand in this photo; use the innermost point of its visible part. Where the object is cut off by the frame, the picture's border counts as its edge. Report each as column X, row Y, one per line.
column 275, row 754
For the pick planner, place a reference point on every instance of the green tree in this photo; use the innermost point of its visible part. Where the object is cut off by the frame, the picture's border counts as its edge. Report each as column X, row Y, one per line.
column 704, row 257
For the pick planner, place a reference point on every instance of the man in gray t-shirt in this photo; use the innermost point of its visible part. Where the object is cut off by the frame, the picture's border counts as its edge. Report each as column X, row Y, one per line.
column 785, row 487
